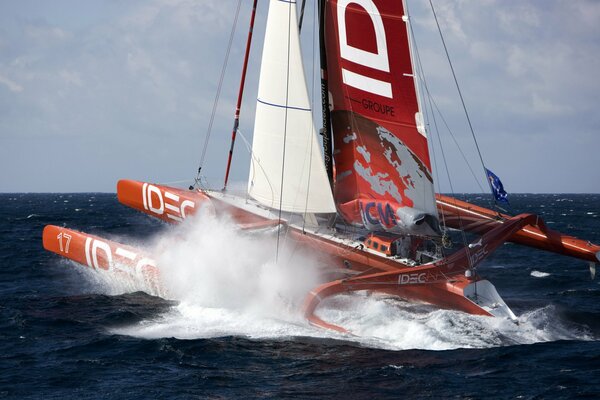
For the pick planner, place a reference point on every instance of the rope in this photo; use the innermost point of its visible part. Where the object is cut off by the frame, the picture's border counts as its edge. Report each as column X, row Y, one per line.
column 255, row 161
column 437, row 133
column 427, row 111
column 454, row 138
column 287, row 93
column 218, row 94
column 463, row 235
column 431, row 100
column 420, row 73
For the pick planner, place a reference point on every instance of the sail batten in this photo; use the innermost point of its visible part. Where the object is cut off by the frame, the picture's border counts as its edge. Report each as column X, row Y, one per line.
column 287, row 170
column 383, row 170
column 289, row 107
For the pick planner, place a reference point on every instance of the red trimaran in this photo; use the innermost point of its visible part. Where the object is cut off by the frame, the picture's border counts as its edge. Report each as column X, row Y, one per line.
column 374, row 215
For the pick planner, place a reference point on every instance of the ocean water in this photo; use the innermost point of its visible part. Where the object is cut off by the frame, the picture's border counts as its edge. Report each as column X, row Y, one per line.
column 229, row 325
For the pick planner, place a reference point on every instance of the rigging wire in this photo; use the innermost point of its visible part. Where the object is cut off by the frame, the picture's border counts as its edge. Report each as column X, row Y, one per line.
column 454, row 139
column 460, row 221
column 460, row 94
column 430, row 97
column 430, row 101
column 255, row 162
column 217, row 95
column 427, row 111
column 287, row 97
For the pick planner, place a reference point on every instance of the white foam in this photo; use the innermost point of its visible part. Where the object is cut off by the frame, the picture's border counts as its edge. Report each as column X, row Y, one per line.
column 539, row 274
column 191, row 321
column 229, row 282
column 110, row 283
column 208, row 262
column 385, row 322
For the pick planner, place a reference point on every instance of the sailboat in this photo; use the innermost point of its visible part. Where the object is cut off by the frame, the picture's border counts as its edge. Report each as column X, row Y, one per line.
column 366, row 199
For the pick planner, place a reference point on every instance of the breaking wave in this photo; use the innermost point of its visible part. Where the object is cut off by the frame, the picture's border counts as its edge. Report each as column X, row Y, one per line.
column 539, row 274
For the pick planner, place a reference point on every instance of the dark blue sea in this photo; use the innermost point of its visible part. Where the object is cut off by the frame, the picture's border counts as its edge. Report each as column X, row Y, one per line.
column 221, row 333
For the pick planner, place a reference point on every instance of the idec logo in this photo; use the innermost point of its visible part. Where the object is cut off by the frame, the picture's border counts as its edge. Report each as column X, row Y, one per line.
column 168, row 204
column 101, row 255
column 408, row 279
column 479, row 255
column 378, row 60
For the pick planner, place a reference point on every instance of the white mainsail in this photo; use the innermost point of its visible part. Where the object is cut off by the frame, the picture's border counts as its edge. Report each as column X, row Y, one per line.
column 285, row 149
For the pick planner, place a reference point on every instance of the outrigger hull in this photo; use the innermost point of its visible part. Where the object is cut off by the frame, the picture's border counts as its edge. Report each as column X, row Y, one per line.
column 461, row 215
column 128, row 264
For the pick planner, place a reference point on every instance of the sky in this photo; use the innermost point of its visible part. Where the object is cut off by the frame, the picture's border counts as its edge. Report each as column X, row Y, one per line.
column 95, row 91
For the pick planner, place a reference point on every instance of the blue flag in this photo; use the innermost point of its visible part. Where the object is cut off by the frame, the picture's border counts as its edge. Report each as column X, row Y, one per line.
column 497, row 187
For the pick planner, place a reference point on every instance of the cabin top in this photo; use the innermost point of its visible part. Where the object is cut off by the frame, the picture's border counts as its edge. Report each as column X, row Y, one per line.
column 410, row 248
column 382, row 243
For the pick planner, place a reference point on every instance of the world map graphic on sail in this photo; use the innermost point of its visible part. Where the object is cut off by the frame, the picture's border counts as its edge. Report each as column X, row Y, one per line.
column 390, row 178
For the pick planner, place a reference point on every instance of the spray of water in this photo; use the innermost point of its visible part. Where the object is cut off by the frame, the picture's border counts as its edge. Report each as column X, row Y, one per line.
column 210, row 263
column 228, row 282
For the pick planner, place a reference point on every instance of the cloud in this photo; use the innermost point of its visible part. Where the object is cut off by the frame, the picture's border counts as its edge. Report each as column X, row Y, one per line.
column 544, row 106
column 71, row 77
column 11, row 85
column 125, row 89
column 519, row 19
column 43, row 32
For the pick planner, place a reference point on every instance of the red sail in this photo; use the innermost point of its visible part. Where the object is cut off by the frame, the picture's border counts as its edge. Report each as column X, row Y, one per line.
column 383, row 171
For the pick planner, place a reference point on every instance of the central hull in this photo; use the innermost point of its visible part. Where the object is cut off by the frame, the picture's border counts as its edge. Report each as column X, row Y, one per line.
column 442, row 284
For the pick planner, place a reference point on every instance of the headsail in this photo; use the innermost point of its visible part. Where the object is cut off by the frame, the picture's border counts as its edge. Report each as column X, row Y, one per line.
column 285, row 150
column 383, row 171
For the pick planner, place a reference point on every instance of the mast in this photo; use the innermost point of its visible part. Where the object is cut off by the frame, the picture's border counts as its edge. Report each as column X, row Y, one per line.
column 326, row 129
column 236, row 121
